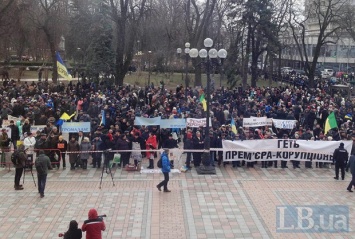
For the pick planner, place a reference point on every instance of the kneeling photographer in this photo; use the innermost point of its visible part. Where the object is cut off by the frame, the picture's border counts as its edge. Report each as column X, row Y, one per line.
column 94, row 225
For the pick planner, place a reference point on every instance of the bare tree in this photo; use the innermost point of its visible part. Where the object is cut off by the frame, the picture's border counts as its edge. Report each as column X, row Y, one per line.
column 47, row 16
column 5, row 6
column 323, row 15
column 127, row 16
column 198, row 20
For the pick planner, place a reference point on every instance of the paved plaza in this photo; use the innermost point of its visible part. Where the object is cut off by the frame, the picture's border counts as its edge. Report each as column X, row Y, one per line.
column 234, row 203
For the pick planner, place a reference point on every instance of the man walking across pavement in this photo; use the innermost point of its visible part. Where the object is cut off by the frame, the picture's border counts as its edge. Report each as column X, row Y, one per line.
column 42, row 164
column 351, row 165
column 340, row 158
column 166, row 170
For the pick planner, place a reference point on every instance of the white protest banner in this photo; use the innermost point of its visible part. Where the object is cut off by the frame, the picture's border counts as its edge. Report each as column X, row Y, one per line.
column 8, row 131
column 6, row 123
column 75, row 127
column 35, row 128
column 147, row 121
column 10, row 117
column 284, row 124
column 280, row 149
column 256, row 122
column 195, row 123
column 172, row 123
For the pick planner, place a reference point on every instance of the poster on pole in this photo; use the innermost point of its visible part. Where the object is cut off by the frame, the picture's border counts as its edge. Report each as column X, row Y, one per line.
column 284, row 124
column 195, row 123
column 256, row 122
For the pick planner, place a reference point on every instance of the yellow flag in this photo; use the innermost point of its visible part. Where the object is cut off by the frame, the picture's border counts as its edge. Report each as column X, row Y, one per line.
column 65, row 116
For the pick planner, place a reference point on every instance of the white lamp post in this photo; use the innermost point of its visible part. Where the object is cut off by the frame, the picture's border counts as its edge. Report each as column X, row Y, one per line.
column 208, row 54
column 187, row 51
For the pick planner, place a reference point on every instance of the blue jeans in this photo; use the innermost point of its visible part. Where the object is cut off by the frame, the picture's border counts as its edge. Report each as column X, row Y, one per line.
column 212, row 157
column 42, row 178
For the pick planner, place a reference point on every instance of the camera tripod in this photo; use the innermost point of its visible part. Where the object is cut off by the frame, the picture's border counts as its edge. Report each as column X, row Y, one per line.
column 28, row 166
column 107, row 167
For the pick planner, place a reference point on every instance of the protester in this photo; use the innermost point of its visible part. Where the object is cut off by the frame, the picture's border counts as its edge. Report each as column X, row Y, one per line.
column 121, row 104
column 4, row 144
column 96, row 147
column 151, row 144
column 73, row 150
column 29, row 142
column 62, row 146
column 85, row 147
column 15, row 133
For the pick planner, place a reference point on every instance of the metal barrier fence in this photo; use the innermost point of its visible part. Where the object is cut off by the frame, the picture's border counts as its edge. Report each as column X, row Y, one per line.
column 30, row 157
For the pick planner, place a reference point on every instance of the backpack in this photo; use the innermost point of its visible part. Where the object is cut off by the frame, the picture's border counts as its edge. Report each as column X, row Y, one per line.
column 15, row 158
column 39, row 167
column 159, row 163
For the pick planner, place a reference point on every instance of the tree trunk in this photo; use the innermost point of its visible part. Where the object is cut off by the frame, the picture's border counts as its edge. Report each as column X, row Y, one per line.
column 271, row 67
column 254, row 69
column 52, row 47
column 279, row 64
column 55, row 69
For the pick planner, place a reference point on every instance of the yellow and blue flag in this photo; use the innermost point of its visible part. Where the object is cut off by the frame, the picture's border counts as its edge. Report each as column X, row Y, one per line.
column 65, row 116
column 62, row 70
column 234, row 128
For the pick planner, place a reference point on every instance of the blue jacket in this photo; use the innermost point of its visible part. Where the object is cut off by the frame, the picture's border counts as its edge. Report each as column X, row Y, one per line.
column 165, row 163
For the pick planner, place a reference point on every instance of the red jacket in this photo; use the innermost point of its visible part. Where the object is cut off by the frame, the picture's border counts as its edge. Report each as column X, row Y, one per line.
column 153, row 141
column 93, row 226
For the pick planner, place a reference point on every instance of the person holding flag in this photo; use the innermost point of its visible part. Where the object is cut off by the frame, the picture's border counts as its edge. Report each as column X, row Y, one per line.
column 330, row 123
column 203, row 101
column 62, row 70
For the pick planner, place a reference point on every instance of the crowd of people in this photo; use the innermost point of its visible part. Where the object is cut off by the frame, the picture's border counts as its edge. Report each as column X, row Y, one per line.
column 42, row 103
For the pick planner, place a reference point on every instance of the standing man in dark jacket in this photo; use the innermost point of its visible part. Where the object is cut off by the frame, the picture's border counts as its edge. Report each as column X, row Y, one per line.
column 4, row 145
column 15, row 133
column 340, row 158
column 198, row 143
column 42, row 164
column 188, row 144
column 351, row 165
column 123, row 144
column 21, row 161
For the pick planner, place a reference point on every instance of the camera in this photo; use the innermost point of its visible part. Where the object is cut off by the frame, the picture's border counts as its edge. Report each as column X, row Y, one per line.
column 102, row 216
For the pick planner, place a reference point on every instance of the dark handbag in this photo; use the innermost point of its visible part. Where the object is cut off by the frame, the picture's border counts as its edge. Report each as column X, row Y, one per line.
column 159, row 163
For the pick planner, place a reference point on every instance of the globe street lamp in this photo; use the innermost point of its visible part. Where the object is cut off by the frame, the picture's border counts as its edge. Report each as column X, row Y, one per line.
column 208, row 54
column 187, row 51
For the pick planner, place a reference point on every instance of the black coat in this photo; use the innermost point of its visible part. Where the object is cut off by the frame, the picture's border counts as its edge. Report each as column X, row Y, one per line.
column 170, row 144
column 73, row 234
